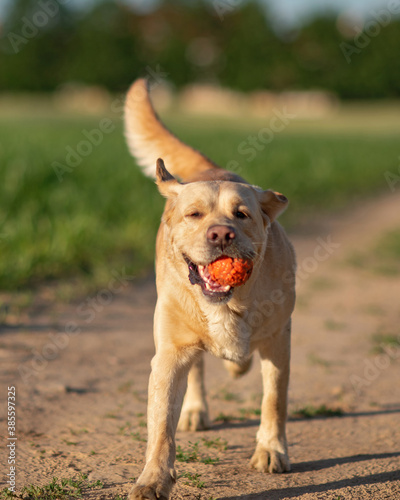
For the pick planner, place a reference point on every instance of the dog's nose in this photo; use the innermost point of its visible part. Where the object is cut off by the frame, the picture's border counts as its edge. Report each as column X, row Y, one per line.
column 221, row 236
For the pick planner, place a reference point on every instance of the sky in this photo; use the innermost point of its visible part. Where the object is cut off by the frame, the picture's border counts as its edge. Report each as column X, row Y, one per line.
column 286, row 12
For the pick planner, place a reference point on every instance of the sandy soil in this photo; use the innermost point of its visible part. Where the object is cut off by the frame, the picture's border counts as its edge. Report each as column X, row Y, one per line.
column 81, row 397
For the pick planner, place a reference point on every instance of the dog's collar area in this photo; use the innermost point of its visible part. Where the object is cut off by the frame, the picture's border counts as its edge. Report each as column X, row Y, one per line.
column 198, row 275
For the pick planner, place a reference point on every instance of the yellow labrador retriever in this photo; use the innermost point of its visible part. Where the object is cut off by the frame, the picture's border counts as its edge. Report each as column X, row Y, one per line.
column 210, row 213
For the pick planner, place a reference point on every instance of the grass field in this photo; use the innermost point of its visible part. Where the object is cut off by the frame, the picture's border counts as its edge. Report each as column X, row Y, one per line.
column 104, row 214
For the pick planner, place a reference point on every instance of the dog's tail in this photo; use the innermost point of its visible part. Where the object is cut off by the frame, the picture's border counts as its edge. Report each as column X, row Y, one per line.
column 148, row 139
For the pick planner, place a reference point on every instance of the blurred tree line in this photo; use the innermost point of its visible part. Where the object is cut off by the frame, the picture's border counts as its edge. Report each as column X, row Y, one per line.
column 44, row 43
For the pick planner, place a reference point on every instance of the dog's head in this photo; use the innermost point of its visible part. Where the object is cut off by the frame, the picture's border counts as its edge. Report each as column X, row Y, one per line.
column 207, row 220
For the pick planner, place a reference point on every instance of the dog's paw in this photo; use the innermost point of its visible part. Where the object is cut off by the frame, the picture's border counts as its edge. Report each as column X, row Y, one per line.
column 270, row 460
column 139, row 492
column 153, row 484
column 193, row 420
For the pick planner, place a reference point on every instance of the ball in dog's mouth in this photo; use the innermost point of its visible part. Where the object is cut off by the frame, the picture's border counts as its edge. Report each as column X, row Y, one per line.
column 229, row 271
column 218, row 278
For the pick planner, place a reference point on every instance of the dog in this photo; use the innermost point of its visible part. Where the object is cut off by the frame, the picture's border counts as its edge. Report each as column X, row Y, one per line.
column 210, row 213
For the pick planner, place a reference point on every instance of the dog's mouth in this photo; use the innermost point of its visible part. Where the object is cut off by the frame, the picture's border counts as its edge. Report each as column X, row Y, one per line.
column 199, row 275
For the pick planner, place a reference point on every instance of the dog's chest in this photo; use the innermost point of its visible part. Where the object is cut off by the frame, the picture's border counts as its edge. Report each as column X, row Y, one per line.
column 228, row 335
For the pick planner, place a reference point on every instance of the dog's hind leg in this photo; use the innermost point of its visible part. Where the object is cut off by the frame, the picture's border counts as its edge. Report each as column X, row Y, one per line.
column 194, row 415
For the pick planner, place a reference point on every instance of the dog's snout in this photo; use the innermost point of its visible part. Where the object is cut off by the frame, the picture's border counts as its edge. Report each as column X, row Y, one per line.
column 221, row 236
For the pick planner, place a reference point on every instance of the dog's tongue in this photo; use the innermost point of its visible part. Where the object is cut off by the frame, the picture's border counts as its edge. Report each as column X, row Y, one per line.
column 211, row 285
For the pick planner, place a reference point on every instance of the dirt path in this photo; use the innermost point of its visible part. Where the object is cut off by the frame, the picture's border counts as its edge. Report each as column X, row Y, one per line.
column 81, row 396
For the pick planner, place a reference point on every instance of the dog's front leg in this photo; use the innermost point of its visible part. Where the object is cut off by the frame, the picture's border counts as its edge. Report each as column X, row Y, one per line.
column 166, row 389
column 271, row 453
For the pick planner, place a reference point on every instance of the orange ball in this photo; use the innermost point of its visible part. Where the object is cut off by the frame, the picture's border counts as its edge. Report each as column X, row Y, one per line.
column 229, row 271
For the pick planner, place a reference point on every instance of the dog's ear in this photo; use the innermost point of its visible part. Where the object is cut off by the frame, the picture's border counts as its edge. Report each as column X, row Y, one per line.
column 167, row 184
column 272, row 203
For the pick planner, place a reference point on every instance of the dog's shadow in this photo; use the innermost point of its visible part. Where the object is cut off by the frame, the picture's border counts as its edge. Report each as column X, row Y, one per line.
column 235, row 424
column 297, row 491
column 316, row 465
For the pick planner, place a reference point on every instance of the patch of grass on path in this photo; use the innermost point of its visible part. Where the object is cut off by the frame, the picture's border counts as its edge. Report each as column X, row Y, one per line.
column 57, row 489
column 383, row 258
column 322, row 411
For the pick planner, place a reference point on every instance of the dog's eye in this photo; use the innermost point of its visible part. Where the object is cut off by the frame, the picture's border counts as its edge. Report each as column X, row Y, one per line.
column 240, row 215
column 195, row 215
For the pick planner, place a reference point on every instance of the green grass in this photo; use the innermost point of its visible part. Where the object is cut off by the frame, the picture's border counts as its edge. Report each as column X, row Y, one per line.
column 224, row 418
column 314, row 412
column 57, row 489
column 382, row 340
column 383, row 258
column 70, row 443
column 78, row 432
column 217, row 443
column 193, row 453
column 388, row 253
column 226, row 395
column 332, row 324
column 190, row 454
column 136, row 436
column 193, row 480
column 103, row 217
column 316, row 360
column 250, row 412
